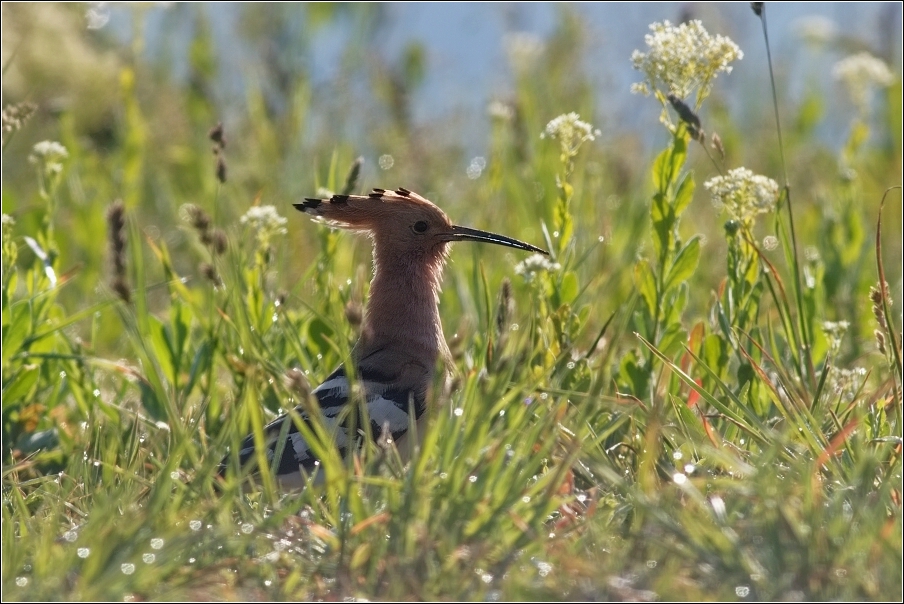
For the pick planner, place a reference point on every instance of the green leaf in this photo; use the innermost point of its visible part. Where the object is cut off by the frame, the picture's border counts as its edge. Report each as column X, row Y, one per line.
column 685, row 264
column 671, row 340
column 161, row 347
column 200, row 365
column 568, row 291
column 663, row 220
column 645, row 281
column 715, row 354
column 660, row 170
column 685, row 194
column 150, row 401
column 20, row 385
column 678, row 154
column 16, row 331
column 320, row 334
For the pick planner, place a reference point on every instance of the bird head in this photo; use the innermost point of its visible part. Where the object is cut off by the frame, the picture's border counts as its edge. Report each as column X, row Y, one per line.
column 401, row 223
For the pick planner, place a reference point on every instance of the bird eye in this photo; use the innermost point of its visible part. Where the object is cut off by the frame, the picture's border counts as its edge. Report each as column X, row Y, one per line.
column 420, row 226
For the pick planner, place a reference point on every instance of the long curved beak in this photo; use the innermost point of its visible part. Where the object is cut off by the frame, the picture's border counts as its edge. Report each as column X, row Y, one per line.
column 460, row 233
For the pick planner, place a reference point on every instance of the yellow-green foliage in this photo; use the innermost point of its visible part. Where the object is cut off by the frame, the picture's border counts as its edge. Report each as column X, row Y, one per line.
column 697, row 396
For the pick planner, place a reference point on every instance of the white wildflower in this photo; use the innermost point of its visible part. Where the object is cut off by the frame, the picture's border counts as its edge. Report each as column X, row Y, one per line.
column 682, row 59
column 49, row 156
column 816, row 29
column 834, row 332
column 570, row 131
column 501, row 111
column 743, row 194
column 534, row 265
column 266, row 222
column 97, row 15
column 523, row 50
column 846, row 383
column 860, row 74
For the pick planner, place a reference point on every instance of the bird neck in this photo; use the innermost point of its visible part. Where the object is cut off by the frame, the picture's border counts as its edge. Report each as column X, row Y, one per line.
column 403, row 308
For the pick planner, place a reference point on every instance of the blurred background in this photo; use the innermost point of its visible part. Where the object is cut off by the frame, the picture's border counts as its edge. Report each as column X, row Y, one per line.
column 446, row 99
column 452, row 60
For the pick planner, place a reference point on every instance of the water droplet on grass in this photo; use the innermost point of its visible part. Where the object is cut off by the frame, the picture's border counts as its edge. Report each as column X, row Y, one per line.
column 742, row 591
column 128, row 568
column 83, row 552
column 195, row 525
column 544, row 568
column 148, row 558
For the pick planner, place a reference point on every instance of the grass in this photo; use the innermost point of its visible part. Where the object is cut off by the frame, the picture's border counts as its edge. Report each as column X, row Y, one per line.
column 659, row 412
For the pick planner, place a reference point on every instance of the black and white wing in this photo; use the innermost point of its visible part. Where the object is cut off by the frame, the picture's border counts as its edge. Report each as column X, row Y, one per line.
column 387, row 406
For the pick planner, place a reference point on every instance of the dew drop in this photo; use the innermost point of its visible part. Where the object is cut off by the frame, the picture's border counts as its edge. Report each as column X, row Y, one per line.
column 83, row 552
column 458, row 411
column 128, row 568
column 679, row 478
column 544, row 568
column 472, row 478
column 742, row 591
column 195, row 525
column 386, row 161
column 156, row 543
column 148, row 558
column 247, row 528
column 70, row 536
column 21, row 581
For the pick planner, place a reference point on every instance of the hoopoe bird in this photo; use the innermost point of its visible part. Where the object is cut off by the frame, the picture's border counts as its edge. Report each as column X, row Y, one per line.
column 401, row 337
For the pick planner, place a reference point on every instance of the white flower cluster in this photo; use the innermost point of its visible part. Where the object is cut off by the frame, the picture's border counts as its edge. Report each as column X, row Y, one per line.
column 501, row 111
column 49, row 155
column 682, row 59
column 846, row 383
column 743, row 193
column 523, row 50
column 570, row 131
column 816, row 29
column 860, row 74
column 834, row 332
column 266, row 222
column 536, row 264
